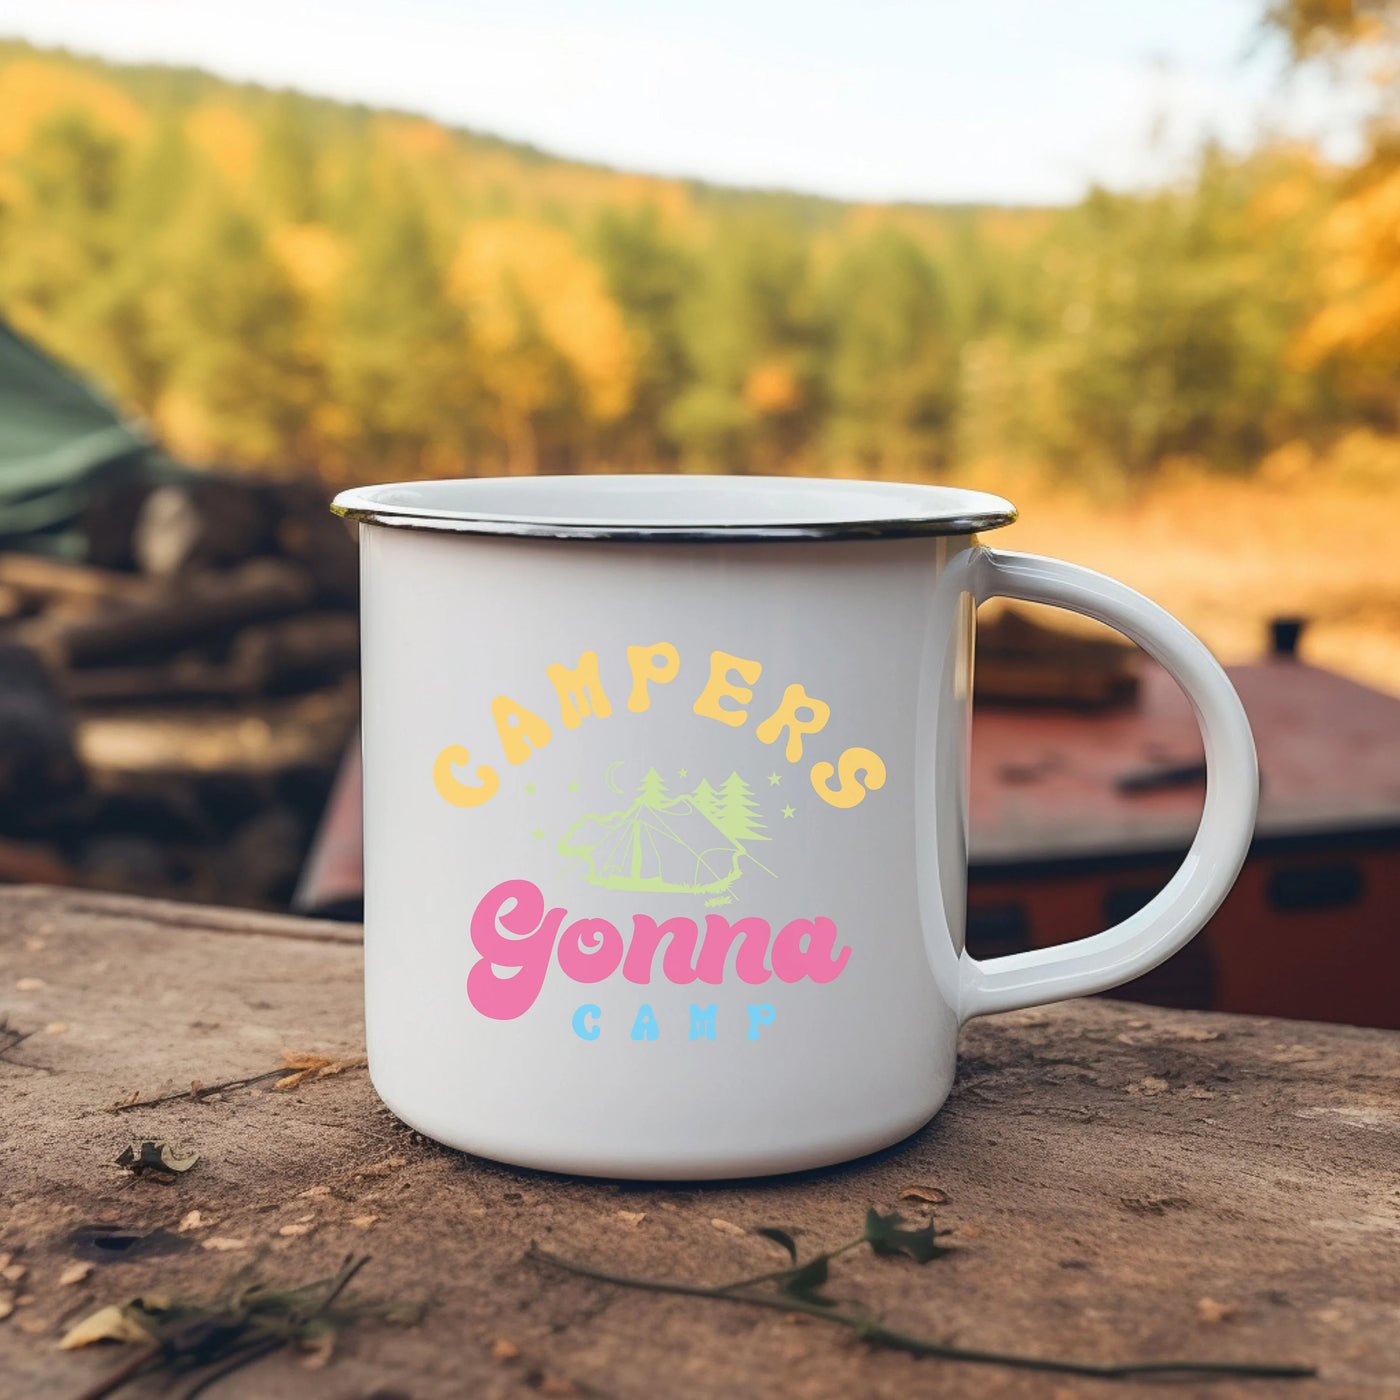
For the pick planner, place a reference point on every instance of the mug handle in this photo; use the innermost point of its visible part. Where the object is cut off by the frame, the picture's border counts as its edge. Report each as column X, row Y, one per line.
column 1194, row 893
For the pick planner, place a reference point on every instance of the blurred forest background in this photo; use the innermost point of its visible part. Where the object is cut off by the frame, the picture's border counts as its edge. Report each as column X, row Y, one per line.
column 1196, row 388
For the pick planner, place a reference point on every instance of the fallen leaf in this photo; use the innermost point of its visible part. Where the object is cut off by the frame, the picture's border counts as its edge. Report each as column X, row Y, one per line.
column 782, row 1238
column 109, row 1324
column 971, row 1232
column 191, row 1220
column 363, row 1222
column 884, row 1235
column 728, row 1227
column 155, row 1156
column 1209, row 1310
column 503, row 1349
column 74, row 1273
column 34, row 945
column 5, row 1257
column 300, row 1227
column 632, row 1217
column 30, row 984
column 313, row 1192
column 1195, row 1033
column 55, row 1028
column 557, row 1385
column 7, row 1306
column 930, row 1195
column 12, row 1273
column 223, row 1243
column 24, row 1300
column 317, row 1349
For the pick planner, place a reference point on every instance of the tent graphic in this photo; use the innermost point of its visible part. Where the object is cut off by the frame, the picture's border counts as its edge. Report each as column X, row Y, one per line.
column 696, row 843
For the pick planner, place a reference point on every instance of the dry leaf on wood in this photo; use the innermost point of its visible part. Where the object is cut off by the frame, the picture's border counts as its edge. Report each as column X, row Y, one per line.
column 158, row 1158
column 305, row 1064
column 12, row 1273
column 929, row 1195
column 74, row 1273
column 222, row 1243
column 109, row 1324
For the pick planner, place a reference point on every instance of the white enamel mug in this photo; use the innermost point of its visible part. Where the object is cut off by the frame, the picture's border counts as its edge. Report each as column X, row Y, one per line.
column 666, row 813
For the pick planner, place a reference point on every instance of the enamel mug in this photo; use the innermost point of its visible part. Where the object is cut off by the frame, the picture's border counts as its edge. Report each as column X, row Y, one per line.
column 666, row 812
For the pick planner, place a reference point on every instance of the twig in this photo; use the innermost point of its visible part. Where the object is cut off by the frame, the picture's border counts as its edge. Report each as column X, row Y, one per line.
column 114, row 1380
column 202, row 1092
column 879, row 1335
column 254, row 1352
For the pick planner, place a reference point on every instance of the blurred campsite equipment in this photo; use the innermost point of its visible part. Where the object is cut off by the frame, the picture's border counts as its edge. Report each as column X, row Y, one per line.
column 178, row 655
column 1079, row 817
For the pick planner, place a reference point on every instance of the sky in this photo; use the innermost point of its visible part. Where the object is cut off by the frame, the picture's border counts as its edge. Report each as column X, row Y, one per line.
column 1006, row 101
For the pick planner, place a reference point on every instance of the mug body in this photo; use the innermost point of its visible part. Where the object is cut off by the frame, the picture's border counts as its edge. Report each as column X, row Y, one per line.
column 665, row 844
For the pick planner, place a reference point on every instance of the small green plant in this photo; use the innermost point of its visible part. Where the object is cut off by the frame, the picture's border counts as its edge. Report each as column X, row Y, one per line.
column 799, row 1288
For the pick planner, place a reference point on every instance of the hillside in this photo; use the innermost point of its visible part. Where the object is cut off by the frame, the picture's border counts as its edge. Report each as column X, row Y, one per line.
column 255, row 272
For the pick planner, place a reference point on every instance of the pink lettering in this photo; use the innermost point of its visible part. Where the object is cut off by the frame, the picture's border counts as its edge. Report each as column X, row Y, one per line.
column 599, row 959
column 516, row 939
column 792, row 962
column 720, row 935
column 676, row 965
column 505, row 998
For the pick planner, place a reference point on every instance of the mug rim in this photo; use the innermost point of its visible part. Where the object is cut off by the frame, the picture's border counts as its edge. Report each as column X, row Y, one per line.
column 656, row 507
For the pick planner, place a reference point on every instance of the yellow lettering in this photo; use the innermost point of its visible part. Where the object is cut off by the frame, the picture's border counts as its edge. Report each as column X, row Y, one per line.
column 459, row 794
column 852, row 762
column 786, row 717
column 518, row 728
column 659, row 663
column 719, row 687
column 577, row 688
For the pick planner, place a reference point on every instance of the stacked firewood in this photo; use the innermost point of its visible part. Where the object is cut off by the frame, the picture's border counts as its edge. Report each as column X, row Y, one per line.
column 172, row 709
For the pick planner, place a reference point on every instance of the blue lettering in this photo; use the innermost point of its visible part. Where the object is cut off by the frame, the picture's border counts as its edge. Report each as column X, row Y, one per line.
column 581, row 1027
column 645, row 1027
column 702, row 1021
column 761, row 1015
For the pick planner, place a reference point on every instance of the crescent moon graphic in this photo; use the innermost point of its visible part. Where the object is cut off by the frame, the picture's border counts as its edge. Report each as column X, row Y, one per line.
column 608, row 778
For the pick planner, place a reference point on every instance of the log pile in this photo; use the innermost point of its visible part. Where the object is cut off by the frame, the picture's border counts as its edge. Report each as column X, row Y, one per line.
column 173, row 709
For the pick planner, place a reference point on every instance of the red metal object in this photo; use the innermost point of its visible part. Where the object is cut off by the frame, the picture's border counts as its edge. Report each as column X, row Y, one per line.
column 1077, row 819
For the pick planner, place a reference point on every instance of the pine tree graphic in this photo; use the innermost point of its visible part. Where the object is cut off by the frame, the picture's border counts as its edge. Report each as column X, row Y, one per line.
column 738, row 813
column 706, row 800
column 652, row 790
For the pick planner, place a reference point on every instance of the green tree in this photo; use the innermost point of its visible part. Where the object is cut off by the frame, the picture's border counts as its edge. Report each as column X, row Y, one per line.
column 891, row 370
column 706, row 800
column 651, row 791
column 738, row 815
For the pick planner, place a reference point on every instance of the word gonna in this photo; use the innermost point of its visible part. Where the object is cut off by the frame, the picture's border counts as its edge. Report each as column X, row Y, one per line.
column 518, row 939
column 581, row 694
column 587, row 1021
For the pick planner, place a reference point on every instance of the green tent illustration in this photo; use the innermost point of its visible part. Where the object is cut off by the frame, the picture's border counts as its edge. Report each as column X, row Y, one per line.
column 691, row 844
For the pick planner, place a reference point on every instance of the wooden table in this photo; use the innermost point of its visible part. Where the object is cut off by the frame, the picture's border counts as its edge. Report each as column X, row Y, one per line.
column 1123, row 1184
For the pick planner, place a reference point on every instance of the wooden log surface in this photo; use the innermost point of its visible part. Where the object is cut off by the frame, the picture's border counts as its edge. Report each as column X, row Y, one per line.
column 1124, row 1184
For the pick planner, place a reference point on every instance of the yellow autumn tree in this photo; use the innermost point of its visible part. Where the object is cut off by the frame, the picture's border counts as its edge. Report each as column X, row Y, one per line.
column 550, row 337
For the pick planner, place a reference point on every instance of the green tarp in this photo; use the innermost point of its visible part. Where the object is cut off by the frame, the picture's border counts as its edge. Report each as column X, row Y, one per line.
column 59, row 442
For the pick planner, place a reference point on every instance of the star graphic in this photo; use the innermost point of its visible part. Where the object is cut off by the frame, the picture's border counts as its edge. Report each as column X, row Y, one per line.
column 538, row 833
column 789, row 812
column 530, row 788
column 773, row 780
column 573, row 787
column 682, row 773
